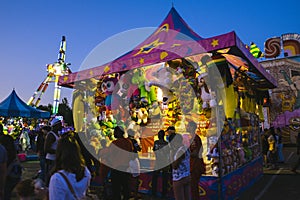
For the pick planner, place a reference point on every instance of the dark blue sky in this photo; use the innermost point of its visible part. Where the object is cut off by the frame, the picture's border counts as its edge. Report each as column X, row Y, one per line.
column 31, row 30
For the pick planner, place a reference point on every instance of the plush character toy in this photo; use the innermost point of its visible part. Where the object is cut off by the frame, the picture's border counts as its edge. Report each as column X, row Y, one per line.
column 215, row 166
column 127, row 90
column 141, row 115
column 99, row 94
column 241, row 155
column 164, row 80
column 176, row 65
column 147, row 93
column 108, row 86
column 108, row 125
column 94, row 127
column 155, row 112
column 204, row 92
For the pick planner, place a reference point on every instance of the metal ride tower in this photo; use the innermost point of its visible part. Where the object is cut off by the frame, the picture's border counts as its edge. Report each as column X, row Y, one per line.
column 54, row 70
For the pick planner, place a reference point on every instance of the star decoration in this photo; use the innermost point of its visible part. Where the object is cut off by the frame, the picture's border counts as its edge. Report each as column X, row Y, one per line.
column 149, row 47
column 66, row 78
column 106, row 69
column 142, row 60
column 215, row 43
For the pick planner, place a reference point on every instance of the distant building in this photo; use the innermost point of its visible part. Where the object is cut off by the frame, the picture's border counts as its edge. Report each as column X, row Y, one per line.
column 284, row 108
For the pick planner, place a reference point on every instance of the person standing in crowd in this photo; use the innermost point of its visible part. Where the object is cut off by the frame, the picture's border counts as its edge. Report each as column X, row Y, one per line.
column 272, row 153
column 279, row 146
column 25, row 139
column 180, row 157
column 3, row 164
column 50, row 146
column 1, row 129
column 135, row 174
column 40, row 143
column 71, row 177
column 161, row 150
column 14, row 169
column 197, row 165
column 88, row 153
column 297, row 164
column 171, row 132
column 120, row 178
column 3, row 168
column 104, row 169
column 265, row 146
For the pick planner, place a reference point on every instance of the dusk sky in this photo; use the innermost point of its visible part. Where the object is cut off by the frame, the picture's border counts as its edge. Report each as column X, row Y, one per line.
column 31, row 31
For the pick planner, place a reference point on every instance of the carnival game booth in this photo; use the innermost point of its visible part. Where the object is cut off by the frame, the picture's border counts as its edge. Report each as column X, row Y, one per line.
column 172, row 77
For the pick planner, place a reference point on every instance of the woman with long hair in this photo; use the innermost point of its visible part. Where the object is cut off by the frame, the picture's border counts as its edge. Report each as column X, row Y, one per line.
column 14, row 168
column 71, row 178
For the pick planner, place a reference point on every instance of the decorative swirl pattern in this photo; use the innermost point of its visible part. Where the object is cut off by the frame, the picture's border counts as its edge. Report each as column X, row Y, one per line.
column 272, row 47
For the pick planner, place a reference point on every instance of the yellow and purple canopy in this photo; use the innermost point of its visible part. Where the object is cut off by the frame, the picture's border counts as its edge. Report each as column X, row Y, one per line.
column 171, row 40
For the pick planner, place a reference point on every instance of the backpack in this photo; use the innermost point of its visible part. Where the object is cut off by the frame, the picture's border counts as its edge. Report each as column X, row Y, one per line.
column 14, row 169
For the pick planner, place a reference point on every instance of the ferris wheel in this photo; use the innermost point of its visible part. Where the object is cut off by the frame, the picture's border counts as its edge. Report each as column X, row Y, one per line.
column 55, row 70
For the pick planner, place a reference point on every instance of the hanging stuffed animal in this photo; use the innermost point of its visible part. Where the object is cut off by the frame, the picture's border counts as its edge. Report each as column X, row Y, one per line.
column 241, row 155
column 204, row 92
column 140, row 115
column 147, row 93
column 163, row 80
column 108, row 86
column 127, row 90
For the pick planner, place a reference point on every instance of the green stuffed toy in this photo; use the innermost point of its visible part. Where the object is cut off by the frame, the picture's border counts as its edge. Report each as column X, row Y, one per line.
column 146, row 92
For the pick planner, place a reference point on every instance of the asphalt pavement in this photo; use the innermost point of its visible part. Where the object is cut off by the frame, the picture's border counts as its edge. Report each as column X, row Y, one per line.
column 278, row 184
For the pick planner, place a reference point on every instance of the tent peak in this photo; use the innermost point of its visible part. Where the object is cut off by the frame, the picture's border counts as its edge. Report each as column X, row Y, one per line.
column 13, row 106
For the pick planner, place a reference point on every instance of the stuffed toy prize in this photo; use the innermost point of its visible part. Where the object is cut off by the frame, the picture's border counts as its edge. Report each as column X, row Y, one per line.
column 146, row 92
column 108, row 86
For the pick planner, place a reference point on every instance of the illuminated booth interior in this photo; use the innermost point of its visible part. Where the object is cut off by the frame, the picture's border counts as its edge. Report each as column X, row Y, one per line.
column 172, row 77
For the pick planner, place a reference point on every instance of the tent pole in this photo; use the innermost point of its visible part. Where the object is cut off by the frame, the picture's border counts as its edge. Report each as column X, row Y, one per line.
column 220, row 152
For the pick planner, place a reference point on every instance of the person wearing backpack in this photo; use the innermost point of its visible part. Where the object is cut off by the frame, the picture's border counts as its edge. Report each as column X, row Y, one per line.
column 14, row 168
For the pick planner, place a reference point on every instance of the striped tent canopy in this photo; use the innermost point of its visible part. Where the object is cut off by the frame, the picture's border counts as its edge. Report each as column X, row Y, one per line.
column 13, row 106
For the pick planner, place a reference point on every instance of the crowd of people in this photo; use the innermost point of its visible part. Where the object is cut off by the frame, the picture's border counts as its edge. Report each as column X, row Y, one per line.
column 272, row 147
column 183, row 159
column 66, row 171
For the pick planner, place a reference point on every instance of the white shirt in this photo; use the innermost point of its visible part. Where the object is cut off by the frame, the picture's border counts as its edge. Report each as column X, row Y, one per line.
column 58, row 188
column 50, row 156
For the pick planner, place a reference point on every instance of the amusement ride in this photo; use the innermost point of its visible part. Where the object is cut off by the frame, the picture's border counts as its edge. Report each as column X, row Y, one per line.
column 55, row 70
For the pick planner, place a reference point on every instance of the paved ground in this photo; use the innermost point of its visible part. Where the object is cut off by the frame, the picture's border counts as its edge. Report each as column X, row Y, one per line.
column 275, row 184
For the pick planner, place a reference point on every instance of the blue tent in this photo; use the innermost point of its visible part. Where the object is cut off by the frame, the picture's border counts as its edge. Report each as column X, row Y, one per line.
column 13, row 106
